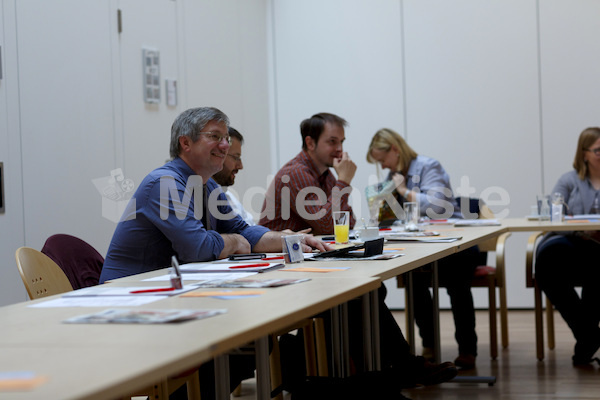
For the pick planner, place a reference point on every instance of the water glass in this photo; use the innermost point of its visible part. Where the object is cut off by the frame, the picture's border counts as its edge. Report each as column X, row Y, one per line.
column 411, row 211
column 543, row 205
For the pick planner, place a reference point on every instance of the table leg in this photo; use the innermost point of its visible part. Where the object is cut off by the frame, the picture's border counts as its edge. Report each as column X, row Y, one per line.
column 263, row 372
column 345, row 339
column 435, row 284
column 410, row 311
column 368, row 340
column 374, row 294
column 222, row 377
column 335, row 342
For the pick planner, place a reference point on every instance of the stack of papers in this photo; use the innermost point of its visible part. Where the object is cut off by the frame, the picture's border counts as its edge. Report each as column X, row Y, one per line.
column 424, row 239
column 476, row 222
column 134, row 316
column 421, row 236
column 251, row 283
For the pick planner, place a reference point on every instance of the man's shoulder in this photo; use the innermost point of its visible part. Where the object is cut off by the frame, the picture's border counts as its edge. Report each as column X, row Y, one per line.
column 296, row 164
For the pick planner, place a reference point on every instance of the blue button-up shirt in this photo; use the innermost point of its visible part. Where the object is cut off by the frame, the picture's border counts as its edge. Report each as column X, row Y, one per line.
column 162, row 219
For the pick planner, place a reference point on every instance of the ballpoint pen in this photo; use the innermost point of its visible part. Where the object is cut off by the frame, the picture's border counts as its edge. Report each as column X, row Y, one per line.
column 273, row 258
column 168, row 289
column 250, row 265
column 175, row 274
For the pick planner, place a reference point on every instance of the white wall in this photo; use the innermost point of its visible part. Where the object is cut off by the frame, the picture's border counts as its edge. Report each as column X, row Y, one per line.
column 227, row 67
column 498, row 91
column 72, row 109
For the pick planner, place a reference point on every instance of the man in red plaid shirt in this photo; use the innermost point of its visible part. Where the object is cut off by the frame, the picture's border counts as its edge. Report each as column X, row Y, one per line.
column 305, row 192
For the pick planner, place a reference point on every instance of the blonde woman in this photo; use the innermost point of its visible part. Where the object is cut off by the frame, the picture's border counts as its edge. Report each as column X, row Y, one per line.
column 423, row 180
column 576, row 252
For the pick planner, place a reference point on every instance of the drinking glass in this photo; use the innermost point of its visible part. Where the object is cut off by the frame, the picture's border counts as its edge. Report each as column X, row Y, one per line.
column 341, row 226
column 411, row 211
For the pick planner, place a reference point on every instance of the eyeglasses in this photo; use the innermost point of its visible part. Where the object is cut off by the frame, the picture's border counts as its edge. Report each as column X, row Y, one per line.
column 596, row 151
column 216, row 137
column 237, row 159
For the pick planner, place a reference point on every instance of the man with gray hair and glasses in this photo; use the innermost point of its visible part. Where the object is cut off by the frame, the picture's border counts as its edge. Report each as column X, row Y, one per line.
column 179, row 210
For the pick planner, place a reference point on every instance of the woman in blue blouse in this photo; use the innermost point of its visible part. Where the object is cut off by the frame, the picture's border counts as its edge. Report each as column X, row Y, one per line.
column 422, row 179
column 568, row 259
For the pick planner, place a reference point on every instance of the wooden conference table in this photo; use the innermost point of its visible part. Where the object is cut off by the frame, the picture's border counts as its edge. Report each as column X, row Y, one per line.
column 110, row 361
column 104, row 361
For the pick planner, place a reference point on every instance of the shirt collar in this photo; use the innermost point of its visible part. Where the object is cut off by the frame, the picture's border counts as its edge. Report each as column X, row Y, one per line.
column 305, row 158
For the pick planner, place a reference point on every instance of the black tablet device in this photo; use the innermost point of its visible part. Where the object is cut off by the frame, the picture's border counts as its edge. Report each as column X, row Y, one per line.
column 372, row 248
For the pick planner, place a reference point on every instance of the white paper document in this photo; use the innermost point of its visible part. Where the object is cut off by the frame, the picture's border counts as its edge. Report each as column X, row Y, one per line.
column 98, row 301
column 204, row 276
column 103, row 290
column 233, row 267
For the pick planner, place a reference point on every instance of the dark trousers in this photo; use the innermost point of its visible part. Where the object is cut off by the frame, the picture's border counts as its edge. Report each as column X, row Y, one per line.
column 455, row 273
column 395, row 351
column 562, row 263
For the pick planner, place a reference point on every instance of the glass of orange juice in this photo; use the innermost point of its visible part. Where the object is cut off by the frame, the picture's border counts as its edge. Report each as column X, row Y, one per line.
column 341, row 226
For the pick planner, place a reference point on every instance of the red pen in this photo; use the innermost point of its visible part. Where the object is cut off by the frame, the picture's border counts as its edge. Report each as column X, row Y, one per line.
column 273, row 258
column 167, row 289
column 250, row 265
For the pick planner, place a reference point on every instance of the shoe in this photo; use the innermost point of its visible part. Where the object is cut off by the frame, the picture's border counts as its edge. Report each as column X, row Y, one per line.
column 465, row 361
column 585, row 350
column 428, row 354
column 432, row 373
column 583, row 361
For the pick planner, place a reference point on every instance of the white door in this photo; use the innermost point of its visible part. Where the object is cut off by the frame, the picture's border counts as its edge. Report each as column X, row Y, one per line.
column 67, row 117
column 11, row 210
column 146, row 127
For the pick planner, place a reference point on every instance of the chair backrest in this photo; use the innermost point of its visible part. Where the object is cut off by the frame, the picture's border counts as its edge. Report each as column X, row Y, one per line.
column 477, row 206
column 79, row 260
column 41, row 276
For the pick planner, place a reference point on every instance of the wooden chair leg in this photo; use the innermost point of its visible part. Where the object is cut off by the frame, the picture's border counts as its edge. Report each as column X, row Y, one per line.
column 539, row 323
column 158, row 391
column 493, row 321
column 504, row 316
column 550, row 323
column 237, row 392
column 193, row 386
